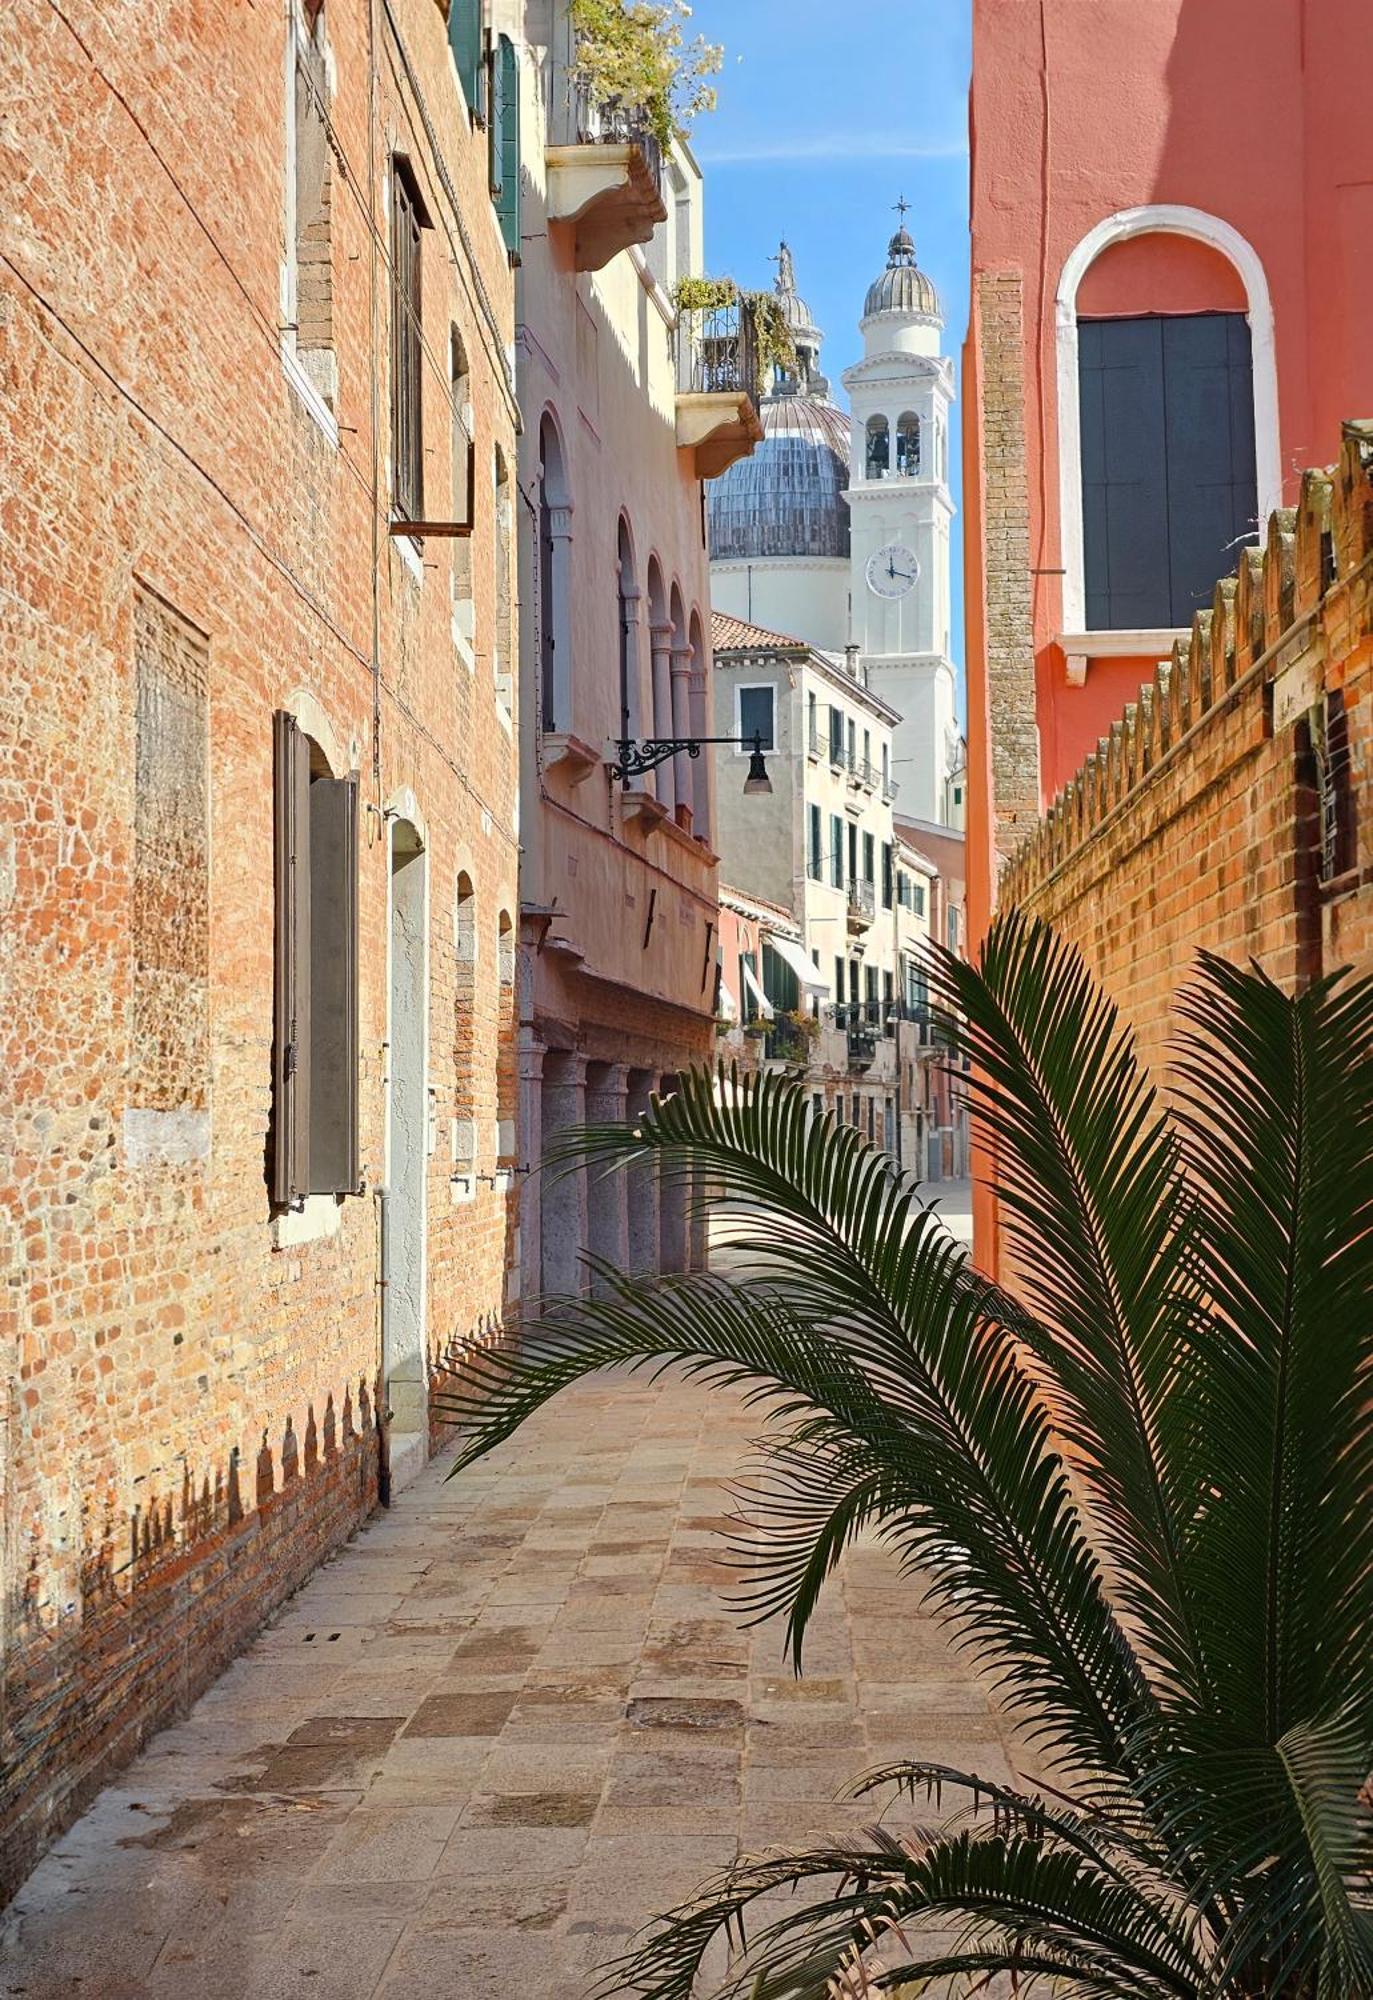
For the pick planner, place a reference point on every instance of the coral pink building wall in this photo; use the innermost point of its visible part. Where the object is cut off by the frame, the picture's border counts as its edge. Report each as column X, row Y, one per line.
column 1253, row 111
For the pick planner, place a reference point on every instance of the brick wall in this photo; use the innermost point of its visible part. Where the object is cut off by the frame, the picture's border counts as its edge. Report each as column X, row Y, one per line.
column 1229, row 807
column 192, row 1385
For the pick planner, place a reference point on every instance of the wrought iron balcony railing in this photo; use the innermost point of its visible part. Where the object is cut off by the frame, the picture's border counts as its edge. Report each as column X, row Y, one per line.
column 608, row 122
column 717, row 351
column 862, row 901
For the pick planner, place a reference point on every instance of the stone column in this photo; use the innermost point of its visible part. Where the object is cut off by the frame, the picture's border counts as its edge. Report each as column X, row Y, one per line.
column 702, row 780
column 672, row 1209
column 560, row 611
column 607, row 1096
column 641, row 1187
column 660, row 637
column 683, row 772
column 563, row 1195
column 632, row 696
column 531, row 1059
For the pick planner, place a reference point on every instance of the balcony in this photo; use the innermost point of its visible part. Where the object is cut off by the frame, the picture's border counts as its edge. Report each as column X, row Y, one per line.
column 787, row 1041
column 717, row 385
column 868, row 775
column 890, row 788
column 606, row 183
column 862, row 905
column 815, row 743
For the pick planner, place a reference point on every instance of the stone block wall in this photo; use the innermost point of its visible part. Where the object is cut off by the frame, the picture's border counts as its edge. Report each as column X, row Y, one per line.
column 1231, row 806
column 193, row 1388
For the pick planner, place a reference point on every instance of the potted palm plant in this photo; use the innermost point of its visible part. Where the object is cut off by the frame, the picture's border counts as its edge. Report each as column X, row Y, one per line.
column 1137, row 1487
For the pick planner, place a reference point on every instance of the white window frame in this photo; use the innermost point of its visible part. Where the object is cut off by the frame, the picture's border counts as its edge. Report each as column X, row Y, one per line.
column 742, row 748
column 1164, row 218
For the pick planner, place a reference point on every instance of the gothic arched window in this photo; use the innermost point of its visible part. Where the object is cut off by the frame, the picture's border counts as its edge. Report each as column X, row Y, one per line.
column 908, row 443
column 879, row 448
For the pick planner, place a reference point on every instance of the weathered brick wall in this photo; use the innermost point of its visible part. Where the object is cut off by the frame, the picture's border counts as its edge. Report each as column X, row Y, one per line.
column 190, row 1397
column 1231, row 807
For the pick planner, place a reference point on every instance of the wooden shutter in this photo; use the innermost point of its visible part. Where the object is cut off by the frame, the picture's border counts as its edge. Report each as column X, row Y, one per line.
column 1124, row 473
column 1212, row 499
column 836, row 737
column 495, row 128
column 407, row 440
column 334, row 985
column 465, row 40
column 508, row 203
column 290, row 1129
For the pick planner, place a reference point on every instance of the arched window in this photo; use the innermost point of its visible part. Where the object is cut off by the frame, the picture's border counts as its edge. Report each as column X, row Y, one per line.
column 309, row 264
column 879, row 448
column 628, row 590
column 460, row 388
column 908, row 443
column 555, row 629
column 503, row 657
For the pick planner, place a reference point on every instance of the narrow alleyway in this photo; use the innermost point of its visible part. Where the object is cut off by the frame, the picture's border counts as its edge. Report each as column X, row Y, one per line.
column 504, row 1726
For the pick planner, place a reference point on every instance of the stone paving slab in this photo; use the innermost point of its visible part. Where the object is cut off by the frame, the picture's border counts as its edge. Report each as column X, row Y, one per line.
column 538, row 1726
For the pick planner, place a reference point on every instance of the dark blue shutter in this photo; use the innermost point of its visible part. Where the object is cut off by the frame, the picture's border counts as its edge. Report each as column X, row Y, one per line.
column 1168, row 481
column 1212, row 500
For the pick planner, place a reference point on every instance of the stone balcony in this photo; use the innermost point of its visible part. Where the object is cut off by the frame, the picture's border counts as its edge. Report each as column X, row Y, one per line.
column 717, row 386
column 605, row 181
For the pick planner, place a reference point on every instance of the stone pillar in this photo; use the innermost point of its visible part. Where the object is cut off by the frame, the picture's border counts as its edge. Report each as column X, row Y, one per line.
column 684, row 771
column 531, row 1060
column 641, row 1187
column 672, row 1210
column 702, row 777
column 632, row 693
column 563, row 1195
column 560, row 611
column 607, row 1096
column 660, row 637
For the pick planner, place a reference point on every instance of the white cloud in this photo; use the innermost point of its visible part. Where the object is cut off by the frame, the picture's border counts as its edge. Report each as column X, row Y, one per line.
column 833, row 146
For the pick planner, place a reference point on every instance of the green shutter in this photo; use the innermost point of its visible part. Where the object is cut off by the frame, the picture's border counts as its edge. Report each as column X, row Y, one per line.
column 465, row 40
column 505, row 141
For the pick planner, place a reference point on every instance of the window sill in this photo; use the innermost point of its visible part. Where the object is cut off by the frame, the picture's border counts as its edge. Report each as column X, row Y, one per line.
column 318, row 1217
column 306, row 391
column 1153, row 642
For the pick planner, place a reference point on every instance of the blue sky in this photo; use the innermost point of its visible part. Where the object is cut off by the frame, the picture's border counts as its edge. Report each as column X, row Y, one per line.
column 826, row 115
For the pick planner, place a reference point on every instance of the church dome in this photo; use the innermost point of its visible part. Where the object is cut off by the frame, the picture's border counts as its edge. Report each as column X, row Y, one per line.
column 787, row 499
column 903, row 286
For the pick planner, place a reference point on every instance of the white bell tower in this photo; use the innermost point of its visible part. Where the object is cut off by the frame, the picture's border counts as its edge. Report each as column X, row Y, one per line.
column 900, row 509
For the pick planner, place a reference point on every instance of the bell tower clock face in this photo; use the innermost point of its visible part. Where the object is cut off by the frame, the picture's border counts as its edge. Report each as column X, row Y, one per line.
column 892, row 571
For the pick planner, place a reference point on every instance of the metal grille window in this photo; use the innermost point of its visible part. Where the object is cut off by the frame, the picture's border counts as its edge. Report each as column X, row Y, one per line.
column 407, row 435
column 1330, row 741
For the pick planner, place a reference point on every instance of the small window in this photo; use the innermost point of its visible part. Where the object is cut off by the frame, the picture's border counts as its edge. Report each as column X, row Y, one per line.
column 918, row 895
column 869, row 859
column 836, row 853
column 314, row 1147
column 816, row 859
column 407, row 426
column 878, row 448
column 756, row 717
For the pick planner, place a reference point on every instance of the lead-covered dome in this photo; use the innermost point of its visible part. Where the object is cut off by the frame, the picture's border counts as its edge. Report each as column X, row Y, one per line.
column 903, row 286
column 787, row 498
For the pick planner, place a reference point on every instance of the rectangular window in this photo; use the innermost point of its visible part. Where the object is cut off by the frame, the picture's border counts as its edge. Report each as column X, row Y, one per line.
column 1168, row 470
column 407, row 428
column 852, row 727
column 853, row 853
column 870, row 993
column 754, row 714
column 310, row 305
column 504, row 142
column 315, row 1047
column 918, row 898
column 836, row 851
column 839, row 981
column 748, row 980
column 872, row 1119
column 816, row 861
column 886, row 875
column 817, row 1104
column 953, row 929
column 869, row 858
column 853, row 981
column 836, row 736
column 812, row 725
column 838, row 1110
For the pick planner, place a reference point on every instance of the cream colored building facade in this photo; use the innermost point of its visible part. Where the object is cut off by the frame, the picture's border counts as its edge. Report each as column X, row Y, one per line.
column 619, row 921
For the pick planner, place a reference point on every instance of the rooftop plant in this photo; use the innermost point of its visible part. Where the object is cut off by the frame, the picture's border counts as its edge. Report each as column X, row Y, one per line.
column 773, row 341
column 1138, row 1492
column 635, row 53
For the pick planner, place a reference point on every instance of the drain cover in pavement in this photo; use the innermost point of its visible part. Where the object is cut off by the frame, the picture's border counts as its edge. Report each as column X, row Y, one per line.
column 669, row 1712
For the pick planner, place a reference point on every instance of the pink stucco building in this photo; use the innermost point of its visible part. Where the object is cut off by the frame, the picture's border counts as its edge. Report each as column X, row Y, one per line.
column 1172, row 312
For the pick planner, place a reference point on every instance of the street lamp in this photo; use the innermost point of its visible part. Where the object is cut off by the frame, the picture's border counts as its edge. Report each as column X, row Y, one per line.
column 633, row 759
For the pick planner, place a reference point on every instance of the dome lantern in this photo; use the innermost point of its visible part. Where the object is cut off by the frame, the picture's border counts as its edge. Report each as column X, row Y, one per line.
column 902, row 287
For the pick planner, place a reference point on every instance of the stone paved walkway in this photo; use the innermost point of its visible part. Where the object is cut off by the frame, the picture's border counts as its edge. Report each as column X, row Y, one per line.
column 504, row 1726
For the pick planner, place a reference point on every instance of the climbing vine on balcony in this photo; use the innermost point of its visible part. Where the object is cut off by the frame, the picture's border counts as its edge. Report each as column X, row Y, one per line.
column 774, row 345
column 635, row 53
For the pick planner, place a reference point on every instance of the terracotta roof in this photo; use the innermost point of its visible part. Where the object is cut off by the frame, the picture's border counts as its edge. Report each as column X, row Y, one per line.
column 727, row 632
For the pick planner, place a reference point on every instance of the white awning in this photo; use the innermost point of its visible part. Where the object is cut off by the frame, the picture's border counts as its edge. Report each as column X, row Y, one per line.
column 809, row 977
column 764, row 1005
column 729, row 1006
